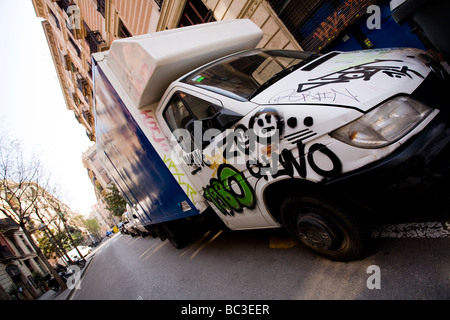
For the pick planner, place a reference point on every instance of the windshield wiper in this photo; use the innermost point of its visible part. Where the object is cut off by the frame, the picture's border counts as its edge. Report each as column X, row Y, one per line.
column 283, row 73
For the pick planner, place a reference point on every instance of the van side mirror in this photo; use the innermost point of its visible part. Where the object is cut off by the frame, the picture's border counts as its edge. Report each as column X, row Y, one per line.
column 221, row 121
column 226, row 118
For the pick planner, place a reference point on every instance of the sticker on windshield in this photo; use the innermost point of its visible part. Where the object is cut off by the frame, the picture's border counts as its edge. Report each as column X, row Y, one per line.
column 198, row 78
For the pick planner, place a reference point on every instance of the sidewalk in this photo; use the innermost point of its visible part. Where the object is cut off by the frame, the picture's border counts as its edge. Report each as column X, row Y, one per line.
column 66, row 294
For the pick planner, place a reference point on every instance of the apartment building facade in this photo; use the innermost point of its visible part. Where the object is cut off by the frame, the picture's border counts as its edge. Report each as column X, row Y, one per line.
column 101, row 182
column 98, row 175
column 77, row 28
column 104, row 218
column 18, row 263
column 43, row 215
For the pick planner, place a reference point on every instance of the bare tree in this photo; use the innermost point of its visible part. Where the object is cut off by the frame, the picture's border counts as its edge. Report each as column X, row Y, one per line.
column 22, row 187
column 42, row 220
column 58, row 207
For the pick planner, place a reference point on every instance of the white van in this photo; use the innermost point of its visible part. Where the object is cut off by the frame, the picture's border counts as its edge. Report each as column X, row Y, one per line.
column 196, row 120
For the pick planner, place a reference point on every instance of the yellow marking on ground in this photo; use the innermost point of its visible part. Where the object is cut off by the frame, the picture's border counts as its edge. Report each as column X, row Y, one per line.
column 205, row 244
column 277, row 241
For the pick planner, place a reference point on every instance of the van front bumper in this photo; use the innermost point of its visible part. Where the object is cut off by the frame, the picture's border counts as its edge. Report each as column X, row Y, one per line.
column 407, row 173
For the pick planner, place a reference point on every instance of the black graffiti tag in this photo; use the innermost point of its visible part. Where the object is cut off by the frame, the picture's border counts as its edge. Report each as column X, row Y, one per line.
column 363, row 71
column 330, row 95
column 291, row 165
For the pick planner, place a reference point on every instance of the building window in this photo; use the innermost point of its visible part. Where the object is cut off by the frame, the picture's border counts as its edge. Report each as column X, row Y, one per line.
column 101, row 7
column 89, row 69
column 16, row 245
column 26, row 243
column 123, row 32
column 195, row 12
column 55, row 18
column 93, row 38
column 38, row 263
column 75, row 47
column 159, row 3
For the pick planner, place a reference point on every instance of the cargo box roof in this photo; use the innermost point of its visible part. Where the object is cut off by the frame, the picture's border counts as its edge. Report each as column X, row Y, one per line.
column 146, row 65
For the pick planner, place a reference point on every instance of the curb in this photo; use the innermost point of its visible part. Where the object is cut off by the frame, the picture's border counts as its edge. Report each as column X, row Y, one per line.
column 68, row 293
column 72, row 291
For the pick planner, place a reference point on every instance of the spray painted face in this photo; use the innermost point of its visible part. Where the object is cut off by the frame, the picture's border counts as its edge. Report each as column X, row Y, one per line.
column 266, row 123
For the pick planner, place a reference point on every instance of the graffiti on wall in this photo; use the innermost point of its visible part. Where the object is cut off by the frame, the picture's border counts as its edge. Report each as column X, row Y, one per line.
column 330, row 27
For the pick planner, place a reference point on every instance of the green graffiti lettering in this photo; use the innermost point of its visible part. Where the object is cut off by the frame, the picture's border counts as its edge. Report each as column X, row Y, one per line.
column 229, row 174
column 225, row 198
column 212, row 195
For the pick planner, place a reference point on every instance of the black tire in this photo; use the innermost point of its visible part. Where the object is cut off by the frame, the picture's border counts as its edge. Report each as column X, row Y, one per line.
column 179, row 241
column 56, row 289
column 81, row 263
column 177, row 236
column 153, row 233
column 141, row 234
column 325, row 226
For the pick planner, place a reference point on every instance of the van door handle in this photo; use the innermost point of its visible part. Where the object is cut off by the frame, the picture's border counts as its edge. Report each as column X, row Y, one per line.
column 196, row 170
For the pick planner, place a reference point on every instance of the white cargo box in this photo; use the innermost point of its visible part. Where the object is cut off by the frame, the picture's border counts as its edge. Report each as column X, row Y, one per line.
column 145, row 65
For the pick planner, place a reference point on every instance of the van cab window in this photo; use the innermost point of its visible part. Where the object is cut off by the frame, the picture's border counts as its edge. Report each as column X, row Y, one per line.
column 242, row 76
column 181, row 112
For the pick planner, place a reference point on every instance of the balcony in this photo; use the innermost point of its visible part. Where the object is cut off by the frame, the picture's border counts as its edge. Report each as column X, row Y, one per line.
column 8, row 226
column 82, row 84
column 87, row 115
column 94, row 39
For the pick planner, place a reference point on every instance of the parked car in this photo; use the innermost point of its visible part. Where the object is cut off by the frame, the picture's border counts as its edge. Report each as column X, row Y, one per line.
column 134, row 227
column 84, row 250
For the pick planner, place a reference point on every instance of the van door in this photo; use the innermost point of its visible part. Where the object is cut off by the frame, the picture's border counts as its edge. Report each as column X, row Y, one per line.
column 186, row 136
column 197, row 138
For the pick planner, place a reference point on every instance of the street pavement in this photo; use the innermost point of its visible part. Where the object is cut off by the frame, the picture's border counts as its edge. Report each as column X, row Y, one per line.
column 411, row 256
column 266, row 265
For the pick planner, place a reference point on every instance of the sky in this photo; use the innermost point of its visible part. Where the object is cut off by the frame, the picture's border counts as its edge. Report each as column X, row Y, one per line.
column 32, row 106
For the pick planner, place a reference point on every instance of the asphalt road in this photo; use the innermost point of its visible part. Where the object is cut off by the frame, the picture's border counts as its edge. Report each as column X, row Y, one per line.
column 408, row 259
column 267, row 265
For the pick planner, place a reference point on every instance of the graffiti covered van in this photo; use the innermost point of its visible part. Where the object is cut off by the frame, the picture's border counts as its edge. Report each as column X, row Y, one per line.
column 196, row 121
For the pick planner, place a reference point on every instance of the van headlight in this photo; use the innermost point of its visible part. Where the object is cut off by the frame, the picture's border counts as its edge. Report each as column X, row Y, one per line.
column 384, row 125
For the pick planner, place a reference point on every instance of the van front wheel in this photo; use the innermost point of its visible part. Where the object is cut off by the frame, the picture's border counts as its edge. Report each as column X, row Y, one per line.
column 325, row 226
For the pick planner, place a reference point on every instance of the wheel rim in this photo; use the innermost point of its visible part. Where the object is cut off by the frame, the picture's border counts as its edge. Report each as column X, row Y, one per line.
column 319, row 232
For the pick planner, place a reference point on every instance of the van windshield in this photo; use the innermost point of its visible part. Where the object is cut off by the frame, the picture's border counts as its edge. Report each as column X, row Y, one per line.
column 242, row 75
